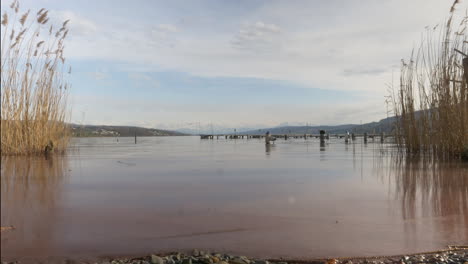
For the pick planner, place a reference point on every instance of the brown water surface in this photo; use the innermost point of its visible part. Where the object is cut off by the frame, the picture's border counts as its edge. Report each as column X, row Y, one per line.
column 295, row 199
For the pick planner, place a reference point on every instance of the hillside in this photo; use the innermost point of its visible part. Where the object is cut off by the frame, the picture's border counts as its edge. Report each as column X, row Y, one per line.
column 385, row 125
column 122, row 131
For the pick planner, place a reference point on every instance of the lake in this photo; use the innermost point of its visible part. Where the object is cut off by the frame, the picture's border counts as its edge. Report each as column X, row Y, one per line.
column 295, row 199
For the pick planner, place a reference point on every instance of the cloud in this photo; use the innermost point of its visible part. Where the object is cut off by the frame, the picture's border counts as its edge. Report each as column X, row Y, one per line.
column 143, row 79
column 161, row 35
column 363, row 71
column 167, row 28
column 332, row 45
column 123, row 111
column 256, row 36
column 99, row 75
column 139, row 76
column 79, row 25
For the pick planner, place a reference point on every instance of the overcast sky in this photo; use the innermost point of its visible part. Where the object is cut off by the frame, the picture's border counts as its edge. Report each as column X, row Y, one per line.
column 169, row 64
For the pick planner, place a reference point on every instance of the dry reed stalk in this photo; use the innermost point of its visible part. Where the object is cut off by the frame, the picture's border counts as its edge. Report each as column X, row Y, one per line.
column 33, row 91
column 431, row 103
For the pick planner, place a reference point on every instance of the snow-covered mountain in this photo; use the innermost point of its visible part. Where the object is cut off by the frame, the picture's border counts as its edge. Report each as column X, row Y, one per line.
column 197, row 128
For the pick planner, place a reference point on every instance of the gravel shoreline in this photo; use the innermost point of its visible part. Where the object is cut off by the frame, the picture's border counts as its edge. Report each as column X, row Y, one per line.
column 454, row 256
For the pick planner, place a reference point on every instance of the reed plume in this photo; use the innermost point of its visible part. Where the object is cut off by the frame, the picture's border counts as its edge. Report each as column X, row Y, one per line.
column 431, row 102
column 33, row 87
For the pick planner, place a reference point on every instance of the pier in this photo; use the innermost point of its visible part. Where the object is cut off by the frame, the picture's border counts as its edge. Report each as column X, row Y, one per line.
column 347, row 138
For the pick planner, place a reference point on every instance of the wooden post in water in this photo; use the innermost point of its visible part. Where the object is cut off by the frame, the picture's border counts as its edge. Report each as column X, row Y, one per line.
column 365, row 138
column 353, row 136
column 382, row 137
column 346, row 138
column 135, row 136
column 322, row 136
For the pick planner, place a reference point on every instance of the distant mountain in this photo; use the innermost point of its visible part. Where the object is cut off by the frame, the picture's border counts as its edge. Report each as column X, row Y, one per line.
column 197, row 129
column 385, row 125
column 122, row 131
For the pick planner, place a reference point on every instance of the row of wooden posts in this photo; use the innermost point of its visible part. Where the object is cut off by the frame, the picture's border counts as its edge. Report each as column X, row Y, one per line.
column 322, row 136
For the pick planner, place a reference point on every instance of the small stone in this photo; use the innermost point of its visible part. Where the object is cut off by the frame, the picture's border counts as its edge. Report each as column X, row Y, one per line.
column 206, row 259
column 237, row 260
column 215, row 259
column 245, row 259
column 195, row 252
column 156, row 260
column 187, row 261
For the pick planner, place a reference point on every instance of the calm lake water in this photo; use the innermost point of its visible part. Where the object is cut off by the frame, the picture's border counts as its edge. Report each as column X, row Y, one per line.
column 294, row 199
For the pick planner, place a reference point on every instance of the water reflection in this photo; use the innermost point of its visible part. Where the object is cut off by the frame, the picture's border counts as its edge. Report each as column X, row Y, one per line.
column 30, row 189
column 426, row 187
column 322, row 145
column 269, row 148
column 123, row 198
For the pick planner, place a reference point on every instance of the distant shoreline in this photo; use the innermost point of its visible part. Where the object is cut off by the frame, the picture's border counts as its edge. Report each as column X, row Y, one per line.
column 109, row 136
column 119, row 131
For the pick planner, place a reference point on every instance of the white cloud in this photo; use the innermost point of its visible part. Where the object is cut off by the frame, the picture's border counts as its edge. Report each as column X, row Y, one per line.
column 177, row 115
column 139, row 76
column 143, row 79
column 256, row 36
column 343, row 45
column 363, row 71
column 167, row 28
column 79, row 25
column 161, row 35
column 353, row 47
column 99, row 75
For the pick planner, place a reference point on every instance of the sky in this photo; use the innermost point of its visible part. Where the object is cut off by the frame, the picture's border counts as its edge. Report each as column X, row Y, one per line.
column 244, row 63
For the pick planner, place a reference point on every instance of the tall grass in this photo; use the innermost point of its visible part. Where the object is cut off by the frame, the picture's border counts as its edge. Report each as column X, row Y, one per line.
column 431, row 103
column 33, row 91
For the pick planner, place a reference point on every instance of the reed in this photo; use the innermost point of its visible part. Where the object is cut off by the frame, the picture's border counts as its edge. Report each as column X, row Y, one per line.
column 33, row 87
column 431, row 102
